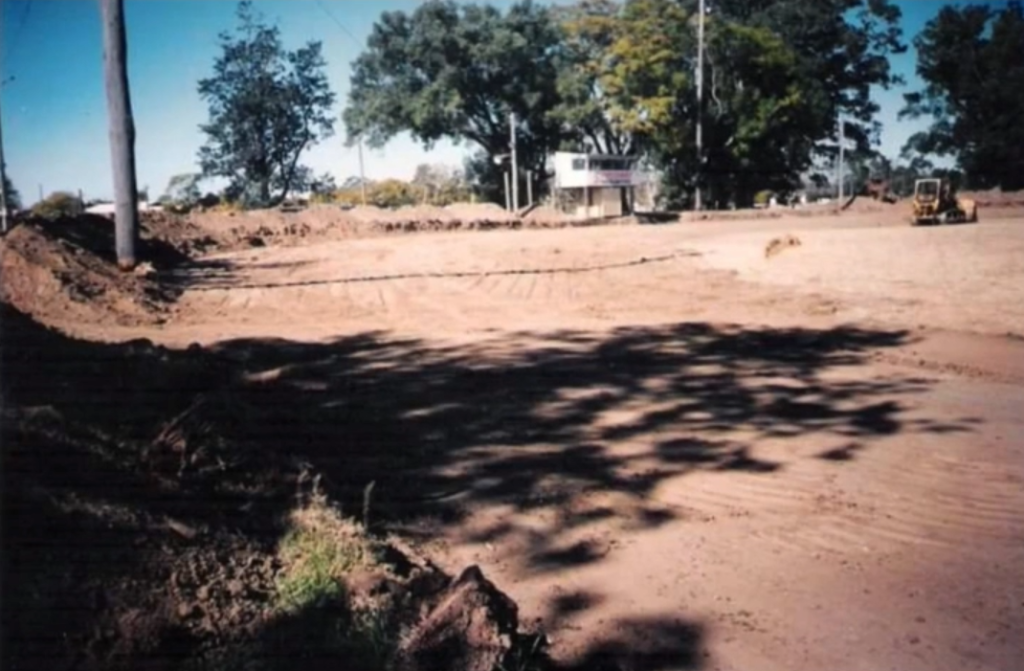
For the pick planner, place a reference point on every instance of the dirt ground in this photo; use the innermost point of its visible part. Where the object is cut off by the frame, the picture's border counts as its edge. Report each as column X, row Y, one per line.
column 670, row 450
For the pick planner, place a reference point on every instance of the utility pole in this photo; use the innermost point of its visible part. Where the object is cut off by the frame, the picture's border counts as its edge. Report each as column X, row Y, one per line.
column 515, row 162
column 5, row 204
column 700, row 106
column 122, row 132
column 842, row 157
column 362, row 173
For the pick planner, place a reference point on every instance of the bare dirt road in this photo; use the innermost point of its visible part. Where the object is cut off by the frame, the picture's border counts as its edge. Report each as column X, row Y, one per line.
column 672, row 452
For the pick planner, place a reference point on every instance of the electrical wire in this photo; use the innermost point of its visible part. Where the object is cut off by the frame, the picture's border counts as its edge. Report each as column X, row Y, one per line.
column 340, row 25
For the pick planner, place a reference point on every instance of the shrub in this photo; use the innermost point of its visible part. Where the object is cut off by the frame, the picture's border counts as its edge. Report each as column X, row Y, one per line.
column 58, row 205
column 761, row 198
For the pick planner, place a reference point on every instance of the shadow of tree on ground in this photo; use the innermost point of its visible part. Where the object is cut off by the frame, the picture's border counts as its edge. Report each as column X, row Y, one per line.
column 527, row 421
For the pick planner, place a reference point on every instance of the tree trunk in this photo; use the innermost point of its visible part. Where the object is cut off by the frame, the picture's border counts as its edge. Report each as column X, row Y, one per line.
column 122, row 132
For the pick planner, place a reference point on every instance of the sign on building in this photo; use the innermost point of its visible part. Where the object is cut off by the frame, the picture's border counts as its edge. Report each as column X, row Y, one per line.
column 596, row 185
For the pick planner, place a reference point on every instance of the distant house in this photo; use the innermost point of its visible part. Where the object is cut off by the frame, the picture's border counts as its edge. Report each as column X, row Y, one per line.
column 108, row 209
column 102, row 209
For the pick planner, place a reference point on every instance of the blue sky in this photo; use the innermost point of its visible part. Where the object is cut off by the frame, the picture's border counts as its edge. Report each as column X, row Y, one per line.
column 54, row 111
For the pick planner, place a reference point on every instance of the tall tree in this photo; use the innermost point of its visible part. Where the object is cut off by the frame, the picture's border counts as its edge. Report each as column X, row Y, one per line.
column 971, row 61
column 266, row 107
column 122, row 132
column 778, row 74
column 813, row 62
column 457, row 71
column 183, row 189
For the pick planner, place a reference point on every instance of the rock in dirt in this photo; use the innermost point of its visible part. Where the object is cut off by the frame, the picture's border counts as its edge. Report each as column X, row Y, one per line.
column 472, row 628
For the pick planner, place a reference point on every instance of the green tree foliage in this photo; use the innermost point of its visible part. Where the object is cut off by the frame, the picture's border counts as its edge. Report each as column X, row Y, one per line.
column 13, row 197
column 182, row 191
column 323, row 184
column 777, row 75
column 58, row 205
column 618, row 77
column 266, row 107
column 456, row 71
column 972, row 62
column 441, row 184
column 842, row 49
column 587, row 108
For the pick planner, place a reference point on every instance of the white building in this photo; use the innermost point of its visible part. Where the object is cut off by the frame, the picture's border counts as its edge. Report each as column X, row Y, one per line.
column 109, row 209
column 595, row 185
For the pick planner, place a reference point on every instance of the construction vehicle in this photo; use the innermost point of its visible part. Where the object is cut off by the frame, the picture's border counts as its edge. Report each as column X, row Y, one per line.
column 936, row 203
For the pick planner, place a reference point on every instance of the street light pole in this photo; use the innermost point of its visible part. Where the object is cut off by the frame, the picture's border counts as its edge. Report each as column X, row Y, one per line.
column 700, row 105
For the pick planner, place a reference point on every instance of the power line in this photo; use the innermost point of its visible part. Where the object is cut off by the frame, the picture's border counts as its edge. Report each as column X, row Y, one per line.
column 341, row 25
column 18, row 31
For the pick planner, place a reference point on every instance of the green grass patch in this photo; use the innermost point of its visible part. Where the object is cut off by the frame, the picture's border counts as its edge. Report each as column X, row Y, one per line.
column 319, row 551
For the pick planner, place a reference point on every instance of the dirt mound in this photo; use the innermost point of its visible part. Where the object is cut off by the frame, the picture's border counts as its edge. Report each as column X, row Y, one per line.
column 178, row 231
column 866, row 205
column 322, row 217
column 257, row 228
column 425, row 213
column 149, row 564
column 472, row 628
column 995, row 198
column 64, row 272
column 777, row 245
column 368, row 214
column 224, row 230
column 481, row 212
column 545, row 215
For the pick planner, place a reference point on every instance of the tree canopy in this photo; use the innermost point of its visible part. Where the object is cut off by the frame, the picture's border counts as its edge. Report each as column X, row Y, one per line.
column 972, row 62
column 266, row 107
column 618, row 77
column 457, row 71
column 777, row 77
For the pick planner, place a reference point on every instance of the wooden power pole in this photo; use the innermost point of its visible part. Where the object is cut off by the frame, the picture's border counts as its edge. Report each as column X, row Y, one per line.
column 5, row 205
column 122, row 132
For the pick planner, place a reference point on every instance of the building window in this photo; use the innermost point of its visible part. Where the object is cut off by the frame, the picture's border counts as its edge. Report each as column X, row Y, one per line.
column 579, row 164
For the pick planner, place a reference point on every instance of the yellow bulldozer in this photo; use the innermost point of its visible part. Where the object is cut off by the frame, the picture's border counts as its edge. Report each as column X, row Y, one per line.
column 936, row 203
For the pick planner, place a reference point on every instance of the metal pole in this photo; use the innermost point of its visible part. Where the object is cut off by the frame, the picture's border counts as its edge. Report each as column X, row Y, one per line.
column 508, row 192
column 700, row 106
column 529, row 188
column 515, row 162
column 362, row 174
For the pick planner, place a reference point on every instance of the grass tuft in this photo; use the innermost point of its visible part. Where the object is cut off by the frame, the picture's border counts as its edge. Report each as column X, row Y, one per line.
column 319, row 551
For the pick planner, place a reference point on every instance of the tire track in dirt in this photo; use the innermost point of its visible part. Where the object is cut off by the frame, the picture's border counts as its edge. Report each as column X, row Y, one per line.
column 949, row 506
column 888, row 504
column 887, row 497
